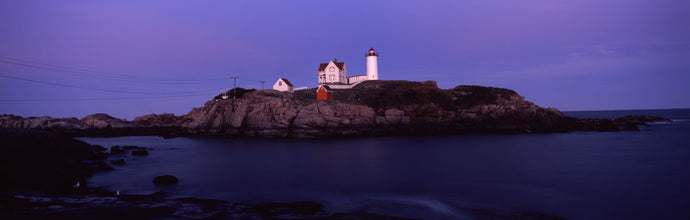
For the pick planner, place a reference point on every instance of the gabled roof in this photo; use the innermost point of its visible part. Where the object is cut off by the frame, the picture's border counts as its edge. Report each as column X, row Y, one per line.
column 325, row 87
column 340, row 65
column 286, row 81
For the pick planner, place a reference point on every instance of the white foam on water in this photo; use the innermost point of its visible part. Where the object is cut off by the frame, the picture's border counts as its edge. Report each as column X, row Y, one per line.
column 400, row 206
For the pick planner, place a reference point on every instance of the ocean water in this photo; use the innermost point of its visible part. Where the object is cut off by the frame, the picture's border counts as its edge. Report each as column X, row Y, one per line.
column 673, row 114
column 580, row 175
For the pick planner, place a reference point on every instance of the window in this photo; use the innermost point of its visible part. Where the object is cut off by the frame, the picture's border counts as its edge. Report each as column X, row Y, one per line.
column 331, row 77
column 332, row 69
column 280, row 83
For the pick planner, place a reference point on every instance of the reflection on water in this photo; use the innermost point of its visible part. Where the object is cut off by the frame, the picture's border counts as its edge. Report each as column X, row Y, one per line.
column 576, row 175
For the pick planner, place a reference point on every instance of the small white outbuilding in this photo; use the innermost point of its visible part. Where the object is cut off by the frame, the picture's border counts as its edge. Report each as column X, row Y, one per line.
column 283, row 85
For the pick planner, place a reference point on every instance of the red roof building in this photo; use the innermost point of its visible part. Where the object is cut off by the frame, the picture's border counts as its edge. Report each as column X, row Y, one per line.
column 324, row 93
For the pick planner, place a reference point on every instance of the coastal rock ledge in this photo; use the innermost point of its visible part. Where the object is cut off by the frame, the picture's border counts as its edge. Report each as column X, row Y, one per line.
column 372, row 108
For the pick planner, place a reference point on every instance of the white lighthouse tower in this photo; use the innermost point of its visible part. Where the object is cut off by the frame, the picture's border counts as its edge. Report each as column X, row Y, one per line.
column 372, row 65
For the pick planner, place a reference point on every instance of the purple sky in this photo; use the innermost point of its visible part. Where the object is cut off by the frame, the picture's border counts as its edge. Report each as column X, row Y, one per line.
column 145, row 57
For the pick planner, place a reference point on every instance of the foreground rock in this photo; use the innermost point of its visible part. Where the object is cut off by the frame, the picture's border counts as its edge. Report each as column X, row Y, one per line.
column 116, row 150
column 372, row 108
column 105, row 205
column 118, row 162
column 165, row 180
column 140, row 153
column 34, row 159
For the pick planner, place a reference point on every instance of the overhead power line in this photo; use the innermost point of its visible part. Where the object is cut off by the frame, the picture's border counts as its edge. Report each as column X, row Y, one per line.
column 67, row 67
column 62, row 70
column 104, row 90
column 95, row 74
column 72, row 86
column 110, row 76
column 97, row 99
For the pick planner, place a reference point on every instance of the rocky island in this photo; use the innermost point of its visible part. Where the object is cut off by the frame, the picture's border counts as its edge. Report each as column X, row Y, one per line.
column 372, row 108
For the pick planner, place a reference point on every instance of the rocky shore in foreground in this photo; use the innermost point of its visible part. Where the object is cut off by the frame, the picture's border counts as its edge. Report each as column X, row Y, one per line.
column 44, row 177
column 373, row 108
column 40, row 170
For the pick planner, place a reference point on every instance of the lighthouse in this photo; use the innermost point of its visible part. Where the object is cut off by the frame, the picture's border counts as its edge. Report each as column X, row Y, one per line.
column 334, row 73
column 372, row 65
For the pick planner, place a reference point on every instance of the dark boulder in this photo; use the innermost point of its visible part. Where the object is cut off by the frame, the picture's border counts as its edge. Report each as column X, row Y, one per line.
column 140, row 153
column 96, row 166
column 132, row 147
column 165, row 180
column 270, row 209
column 101, row 155
column 116, row 150
column 98, row 148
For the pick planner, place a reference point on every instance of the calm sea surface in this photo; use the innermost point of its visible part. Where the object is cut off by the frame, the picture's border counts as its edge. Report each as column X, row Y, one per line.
column 581, row 175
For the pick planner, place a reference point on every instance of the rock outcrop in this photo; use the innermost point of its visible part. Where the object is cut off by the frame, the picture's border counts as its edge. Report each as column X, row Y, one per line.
column 97, row 125
column 101, row 121
column 157, row 120
column 44, row 122
column 93, row 121
column 270, row 113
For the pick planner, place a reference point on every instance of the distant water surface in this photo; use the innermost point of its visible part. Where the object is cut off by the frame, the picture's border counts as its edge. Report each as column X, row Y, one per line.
column 580, row 175
column 673, row 114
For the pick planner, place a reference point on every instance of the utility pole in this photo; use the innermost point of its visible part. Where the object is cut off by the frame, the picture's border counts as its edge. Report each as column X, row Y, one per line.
column 262, row 84
column 234, row 84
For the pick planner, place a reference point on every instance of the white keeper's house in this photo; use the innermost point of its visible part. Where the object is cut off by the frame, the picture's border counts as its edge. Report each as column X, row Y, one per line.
column 283, row 85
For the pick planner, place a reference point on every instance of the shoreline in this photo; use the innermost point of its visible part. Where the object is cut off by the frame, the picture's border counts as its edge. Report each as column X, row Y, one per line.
column 630, row 123
column 372, row 108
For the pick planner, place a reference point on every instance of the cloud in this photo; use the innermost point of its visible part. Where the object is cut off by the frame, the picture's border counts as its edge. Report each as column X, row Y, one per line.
column 580, row 63
column 606, row 52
